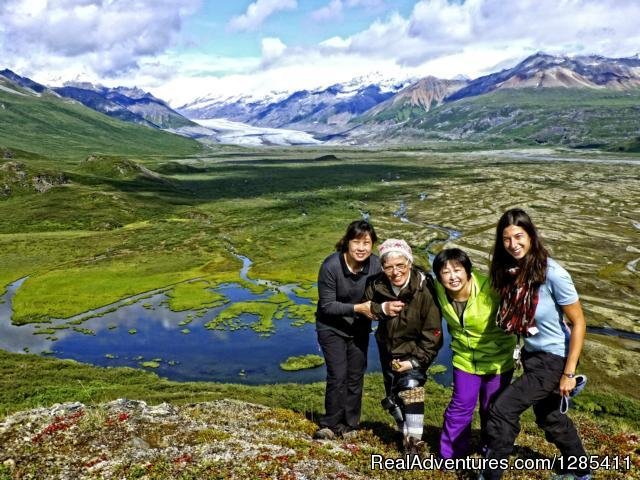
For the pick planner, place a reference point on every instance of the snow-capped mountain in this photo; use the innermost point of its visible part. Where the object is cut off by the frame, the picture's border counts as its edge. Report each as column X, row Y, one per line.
column 320, row 110
column 128, row 104
column 421, row 96
column 23, row 81
column 548, row 71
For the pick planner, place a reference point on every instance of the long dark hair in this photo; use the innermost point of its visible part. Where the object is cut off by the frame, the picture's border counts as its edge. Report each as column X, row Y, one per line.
column 356, row 229
column 533, row 266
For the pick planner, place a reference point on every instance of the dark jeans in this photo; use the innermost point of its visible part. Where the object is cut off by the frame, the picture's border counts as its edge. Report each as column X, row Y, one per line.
column 537, row 387
column 346, row 361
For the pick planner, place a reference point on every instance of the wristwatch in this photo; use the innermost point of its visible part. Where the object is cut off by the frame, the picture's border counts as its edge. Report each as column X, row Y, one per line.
column 569, row 375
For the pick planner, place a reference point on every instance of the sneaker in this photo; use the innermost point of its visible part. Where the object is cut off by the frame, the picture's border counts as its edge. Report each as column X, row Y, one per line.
column 324, row 434
column 569, row 476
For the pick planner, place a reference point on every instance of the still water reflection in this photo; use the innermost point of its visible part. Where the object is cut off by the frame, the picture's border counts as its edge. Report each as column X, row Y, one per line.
column 241, row 356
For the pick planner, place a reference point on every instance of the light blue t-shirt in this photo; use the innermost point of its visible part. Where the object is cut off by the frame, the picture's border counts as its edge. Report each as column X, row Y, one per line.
column 553, row 333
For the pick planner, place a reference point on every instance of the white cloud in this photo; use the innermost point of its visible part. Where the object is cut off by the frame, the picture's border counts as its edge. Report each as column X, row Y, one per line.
column 438, row 30
column 572, row 26
column 272, row 49
column 333, row 10
column 105, row 37
column 258, row 12
column 446, row 40
column 100, row 39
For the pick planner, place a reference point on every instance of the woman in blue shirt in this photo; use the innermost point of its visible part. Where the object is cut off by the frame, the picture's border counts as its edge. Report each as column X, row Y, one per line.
column 536, row 293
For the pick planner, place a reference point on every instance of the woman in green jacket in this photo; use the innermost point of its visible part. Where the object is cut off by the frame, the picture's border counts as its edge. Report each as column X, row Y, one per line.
column 482, row 352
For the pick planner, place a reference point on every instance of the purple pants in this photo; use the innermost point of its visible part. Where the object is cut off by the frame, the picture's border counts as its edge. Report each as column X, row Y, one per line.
column 455, row 440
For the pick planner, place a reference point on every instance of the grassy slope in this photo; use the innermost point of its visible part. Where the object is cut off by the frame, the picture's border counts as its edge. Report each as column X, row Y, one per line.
column 575, row 117
column 57, row 128
column 607, row 422
column 28, row 381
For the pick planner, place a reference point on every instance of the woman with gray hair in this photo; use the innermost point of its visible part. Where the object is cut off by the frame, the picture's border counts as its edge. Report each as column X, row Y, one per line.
column 408, row 336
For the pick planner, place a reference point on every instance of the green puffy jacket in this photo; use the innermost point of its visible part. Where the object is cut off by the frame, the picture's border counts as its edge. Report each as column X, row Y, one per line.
column 479, row 345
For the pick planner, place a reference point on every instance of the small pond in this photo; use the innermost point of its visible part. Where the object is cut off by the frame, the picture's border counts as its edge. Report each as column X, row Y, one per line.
column 239, row 356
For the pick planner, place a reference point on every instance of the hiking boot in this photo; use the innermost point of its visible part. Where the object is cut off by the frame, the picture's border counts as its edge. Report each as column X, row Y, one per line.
column 324, row 434
column 570, row 476
column 412, row 445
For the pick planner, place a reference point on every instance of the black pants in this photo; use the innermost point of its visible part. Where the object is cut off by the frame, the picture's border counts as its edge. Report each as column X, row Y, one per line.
column 385, row 364
column 346, row 361
column 537, row 387
column 393, row 382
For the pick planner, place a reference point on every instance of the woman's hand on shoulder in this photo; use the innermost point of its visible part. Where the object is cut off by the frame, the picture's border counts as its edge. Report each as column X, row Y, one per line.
column 364, row 308
column 392, row 308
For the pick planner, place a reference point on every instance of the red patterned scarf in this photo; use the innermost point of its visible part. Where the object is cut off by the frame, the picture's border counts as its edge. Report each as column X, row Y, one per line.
column 518, row 307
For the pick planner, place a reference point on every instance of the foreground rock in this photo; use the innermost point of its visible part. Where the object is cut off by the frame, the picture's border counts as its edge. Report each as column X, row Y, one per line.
column 229, row 439
column 130, row 439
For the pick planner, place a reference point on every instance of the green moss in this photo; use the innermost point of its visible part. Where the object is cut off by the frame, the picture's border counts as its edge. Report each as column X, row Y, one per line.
column 193, row 296
column 302, row 362
column 302, row 314
column 234, row 317
column 133, row 331
column 45, row 331
column 150, row 364
column 210, row 435
column 306, row 290
column 84, row 331
column 437, row 368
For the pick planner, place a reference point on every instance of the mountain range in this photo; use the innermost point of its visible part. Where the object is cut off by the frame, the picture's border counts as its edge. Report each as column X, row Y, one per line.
column 38, row 121
column 577, row 101
column 128, row 104
column 318, row 111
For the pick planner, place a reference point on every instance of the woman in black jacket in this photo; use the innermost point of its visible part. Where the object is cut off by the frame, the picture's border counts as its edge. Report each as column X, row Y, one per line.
column 343, row 324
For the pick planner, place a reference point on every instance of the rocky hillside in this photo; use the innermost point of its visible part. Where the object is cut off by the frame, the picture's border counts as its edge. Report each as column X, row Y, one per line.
column 230, row 439
column 548, row 71
column 16, row 177
column 420, row 97
column 130, row 439
column 128, row 104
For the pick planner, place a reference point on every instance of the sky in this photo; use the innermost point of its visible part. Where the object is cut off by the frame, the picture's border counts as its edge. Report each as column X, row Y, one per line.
column 181, row 50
